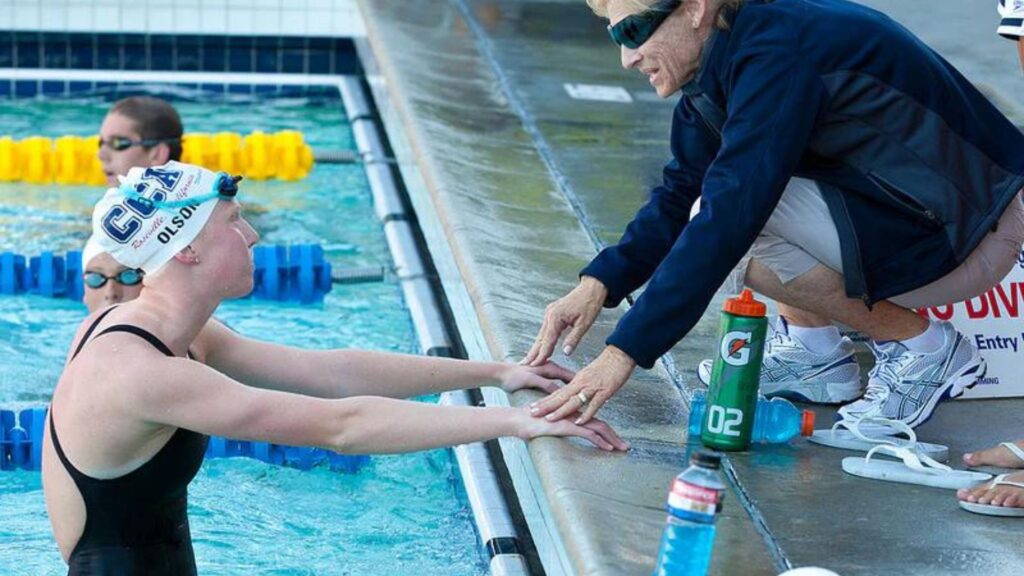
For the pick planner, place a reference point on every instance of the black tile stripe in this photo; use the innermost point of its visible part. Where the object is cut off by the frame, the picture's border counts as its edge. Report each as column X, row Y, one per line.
column 169, row 52
column 57, row 50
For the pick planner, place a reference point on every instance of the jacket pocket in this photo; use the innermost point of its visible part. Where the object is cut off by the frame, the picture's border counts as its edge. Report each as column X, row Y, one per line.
column 906, row 202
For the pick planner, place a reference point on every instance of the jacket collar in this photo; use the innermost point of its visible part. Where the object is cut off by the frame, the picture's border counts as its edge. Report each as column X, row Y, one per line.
column 711, row 54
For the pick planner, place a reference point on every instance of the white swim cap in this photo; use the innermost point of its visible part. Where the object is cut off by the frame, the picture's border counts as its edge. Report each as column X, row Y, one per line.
column 91, row 250
column 155, row 213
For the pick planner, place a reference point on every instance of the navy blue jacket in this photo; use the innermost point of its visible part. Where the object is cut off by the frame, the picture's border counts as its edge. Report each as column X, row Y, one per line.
column 914, row 163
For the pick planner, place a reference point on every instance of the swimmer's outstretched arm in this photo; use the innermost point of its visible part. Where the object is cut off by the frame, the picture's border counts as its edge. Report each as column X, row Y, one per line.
column 176, row 392
column 345, row 373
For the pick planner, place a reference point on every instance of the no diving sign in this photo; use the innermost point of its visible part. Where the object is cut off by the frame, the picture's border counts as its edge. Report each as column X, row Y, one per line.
column 992, row 322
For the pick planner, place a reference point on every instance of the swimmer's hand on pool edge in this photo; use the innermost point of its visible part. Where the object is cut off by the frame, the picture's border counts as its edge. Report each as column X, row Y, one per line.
column 544, row 378
column 596, row 431
column 174, row 392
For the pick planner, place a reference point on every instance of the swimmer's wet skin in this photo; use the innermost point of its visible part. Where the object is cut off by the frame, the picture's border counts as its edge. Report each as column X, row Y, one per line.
column 158, row 407
column 139, row 521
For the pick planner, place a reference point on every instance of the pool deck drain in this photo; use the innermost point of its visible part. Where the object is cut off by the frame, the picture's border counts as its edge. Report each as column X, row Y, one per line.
column 536, row 149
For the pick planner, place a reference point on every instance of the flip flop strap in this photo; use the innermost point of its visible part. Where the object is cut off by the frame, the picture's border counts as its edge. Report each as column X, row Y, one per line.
column 1002, row 481
column 1014, row 449
column 917, row 461
column 897, row 426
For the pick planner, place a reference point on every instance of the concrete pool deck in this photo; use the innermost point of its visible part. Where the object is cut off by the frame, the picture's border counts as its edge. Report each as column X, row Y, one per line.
column 528, row 183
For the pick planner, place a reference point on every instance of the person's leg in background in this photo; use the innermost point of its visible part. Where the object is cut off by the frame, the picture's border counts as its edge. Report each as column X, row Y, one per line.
column 805, row 357
column 919, row 362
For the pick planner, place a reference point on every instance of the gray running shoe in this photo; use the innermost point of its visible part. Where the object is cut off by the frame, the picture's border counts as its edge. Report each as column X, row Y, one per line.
column 793, row 372
column 907, row 386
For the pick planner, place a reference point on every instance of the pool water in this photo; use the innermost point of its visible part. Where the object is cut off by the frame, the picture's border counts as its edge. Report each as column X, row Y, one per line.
column 401, row 515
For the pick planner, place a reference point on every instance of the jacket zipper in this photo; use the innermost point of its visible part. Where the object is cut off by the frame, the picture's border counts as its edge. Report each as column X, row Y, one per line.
column 904, row 200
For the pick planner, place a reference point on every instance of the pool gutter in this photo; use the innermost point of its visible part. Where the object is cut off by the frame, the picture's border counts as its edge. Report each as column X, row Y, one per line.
column 494, row 522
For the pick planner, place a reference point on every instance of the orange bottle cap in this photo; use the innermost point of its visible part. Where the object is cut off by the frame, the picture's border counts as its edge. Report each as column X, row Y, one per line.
column 807, row 423
column 745, row 305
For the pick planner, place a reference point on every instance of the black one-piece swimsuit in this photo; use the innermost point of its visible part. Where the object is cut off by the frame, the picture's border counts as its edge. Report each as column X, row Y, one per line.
column 137, row 524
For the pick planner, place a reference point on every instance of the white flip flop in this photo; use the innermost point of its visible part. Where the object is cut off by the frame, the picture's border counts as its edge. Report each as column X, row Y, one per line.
column 853, row 438
column 1014, row 449
column 915, row 468
column 992, row 509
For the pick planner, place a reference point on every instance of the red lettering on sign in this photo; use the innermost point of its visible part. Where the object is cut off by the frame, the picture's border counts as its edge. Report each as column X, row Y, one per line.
column 981, row 311
column 1009, row 302
column 943, row 312
column 1002, row 301
column 991, row 295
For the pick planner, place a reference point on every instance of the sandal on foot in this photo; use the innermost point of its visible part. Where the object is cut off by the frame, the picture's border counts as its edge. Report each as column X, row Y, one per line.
column 1014, row 450
column 992, row 509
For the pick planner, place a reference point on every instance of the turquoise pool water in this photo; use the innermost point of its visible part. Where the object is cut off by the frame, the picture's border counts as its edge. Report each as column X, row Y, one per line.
column 402, row 515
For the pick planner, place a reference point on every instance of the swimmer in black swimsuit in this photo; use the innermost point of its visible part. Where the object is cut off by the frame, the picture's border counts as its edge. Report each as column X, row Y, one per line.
column 131, row 415
column 137, row 523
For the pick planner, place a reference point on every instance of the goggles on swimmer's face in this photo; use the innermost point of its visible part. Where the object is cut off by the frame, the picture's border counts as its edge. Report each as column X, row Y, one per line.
column 225, row 188
column 635, row 29
column 122, row 143
column 97, row 280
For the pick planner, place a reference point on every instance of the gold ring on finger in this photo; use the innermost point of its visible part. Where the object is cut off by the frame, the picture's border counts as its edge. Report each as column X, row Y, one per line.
column 582, row 397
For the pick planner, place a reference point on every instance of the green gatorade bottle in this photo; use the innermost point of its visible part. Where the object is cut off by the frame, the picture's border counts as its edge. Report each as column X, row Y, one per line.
column 732, row 392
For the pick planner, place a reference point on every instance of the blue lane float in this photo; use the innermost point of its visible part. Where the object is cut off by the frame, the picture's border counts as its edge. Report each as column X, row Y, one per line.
column 46, row 275
column 296, row 273
column 21, row 439
column 301, row 457
column 21, row 447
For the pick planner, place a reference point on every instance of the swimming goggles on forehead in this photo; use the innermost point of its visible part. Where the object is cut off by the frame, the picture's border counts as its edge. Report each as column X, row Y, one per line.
column 225, row 188
column 122, row 143
column 635, row 29
column 127, row 277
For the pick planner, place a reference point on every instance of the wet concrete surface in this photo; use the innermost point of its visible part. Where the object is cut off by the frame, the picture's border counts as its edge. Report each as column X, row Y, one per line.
column 822, row 516
column 528, row 184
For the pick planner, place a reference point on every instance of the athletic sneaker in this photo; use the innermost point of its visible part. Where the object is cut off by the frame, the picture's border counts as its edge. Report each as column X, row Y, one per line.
column 906, row 386
column 792, row 371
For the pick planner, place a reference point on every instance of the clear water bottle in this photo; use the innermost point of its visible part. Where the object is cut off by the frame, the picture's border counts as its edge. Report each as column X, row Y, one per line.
column 693, row 504
column 775, row 421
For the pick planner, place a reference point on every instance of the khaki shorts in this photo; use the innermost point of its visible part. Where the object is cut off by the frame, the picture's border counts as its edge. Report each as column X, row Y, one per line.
column 801, row 234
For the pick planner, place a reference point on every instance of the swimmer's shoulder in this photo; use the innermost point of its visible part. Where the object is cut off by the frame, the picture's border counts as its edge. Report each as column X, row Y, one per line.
column 215, row 333
column 83, row 327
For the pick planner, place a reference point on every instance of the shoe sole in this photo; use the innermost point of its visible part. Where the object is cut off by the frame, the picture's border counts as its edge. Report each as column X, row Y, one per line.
column 799, row 392
column 965, row 379
column 837, row 394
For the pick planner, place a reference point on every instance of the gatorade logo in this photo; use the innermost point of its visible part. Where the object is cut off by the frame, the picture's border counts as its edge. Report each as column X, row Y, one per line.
column 735, row 348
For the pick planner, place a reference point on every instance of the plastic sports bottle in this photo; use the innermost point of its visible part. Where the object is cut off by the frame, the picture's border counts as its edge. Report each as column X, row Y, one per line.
column 775, row 420
column 735, row 375
column 693, row 504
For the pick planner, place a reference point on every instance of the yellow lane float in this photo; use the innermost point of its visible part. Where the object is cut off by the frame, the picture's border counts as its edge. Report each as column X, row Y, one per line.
column 73, row 159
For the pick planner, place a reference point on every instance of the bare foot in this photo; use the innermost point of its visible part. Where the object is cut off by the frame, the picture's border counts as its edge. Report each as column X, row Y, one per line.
column 1008, row 496
column 999, row 456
